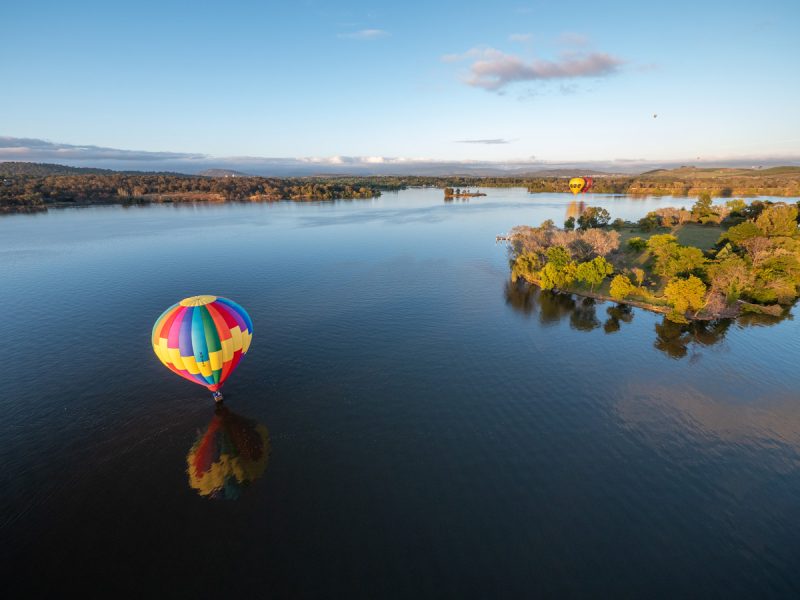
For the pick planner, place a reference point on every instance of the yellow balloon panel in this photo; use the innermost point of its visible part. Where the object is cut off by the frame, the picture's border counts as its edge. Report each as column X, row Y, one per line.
column 576, row 184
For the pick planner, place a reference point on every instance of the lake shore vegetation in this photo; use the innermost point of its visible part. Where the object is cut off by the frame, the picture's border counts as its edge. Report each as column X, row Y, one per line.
column 30, row 187
column 710, row 262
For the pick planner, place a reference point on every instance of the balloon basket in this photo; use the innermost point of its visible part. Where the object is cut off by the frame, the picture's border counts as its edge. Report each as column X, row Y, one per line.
column 218, row 397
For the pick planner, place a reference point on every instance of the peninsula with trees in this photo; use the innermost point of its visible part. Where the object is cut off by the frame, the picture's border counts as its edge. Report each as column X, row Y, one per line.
column 709, row 262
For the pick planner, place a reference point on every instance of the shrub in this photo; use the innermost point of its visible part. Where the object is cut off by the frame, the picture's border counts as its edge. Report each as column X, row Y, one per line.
column 621, row 287
column 683, row 295
column 638, row 244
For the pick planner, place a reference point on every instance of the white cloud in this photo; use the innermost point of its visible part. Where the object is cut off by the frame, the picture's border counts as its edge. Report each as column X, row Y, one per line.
column 493, row 70
column 489, row 141
column 570, row 38
column 520, row 37
column 364, row 34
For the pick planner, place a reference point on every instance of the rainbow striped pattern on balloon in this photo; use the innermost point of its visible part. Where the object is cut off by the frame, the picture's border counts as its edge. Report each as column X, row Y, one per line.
column 203, row 338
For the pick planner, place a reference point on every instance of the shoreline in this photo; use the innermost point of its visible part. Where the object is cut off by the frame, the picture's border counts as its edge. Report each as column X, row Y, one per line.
column 43, row 208
column 731, row 312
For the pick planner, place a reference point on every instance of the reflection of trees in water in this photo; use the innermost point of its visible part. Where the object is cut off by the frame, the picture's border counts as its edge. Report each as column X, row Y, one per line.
column 673, row 339
column 529, row 299
column 552, row 307
column 617, row 314
column 759, row 320
column 584, row 315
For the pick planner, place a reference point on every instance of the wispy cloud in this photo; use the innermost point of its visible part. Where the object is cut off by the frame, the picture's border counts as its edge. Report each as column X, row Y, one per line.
column 570, row 38
column 364, row 34
column 35, row 150
column 520, row 37
column 490, row 141
column 493, row 70
column 30, row 149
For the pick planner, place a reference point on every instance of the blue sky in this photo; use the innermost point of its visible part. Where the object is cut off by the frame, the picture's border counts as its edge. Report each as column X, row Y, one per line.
column 556, row 81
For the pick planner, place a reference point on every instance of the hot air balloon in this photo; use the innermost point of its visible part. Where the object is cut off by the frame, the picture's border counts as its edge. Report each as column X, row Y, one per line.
column 203, row 338
column 576, row 185
column 231, row 453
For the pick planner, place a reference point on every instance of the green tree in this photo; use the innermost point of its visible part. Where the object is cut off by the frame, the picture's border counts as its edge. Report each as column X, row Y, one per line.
column 560, row 270
column 649, row 222
column 673, row 259
column 686, row 260
column 658, row 244
column 702, row 210
column 594, row 271
column 621, row 287
column 778, row 220
column 736, row 206
column 593, row 216
column 526, row 266
column 569, row 224
column 558, row 256
column 684, row 295
column 740, row 232
column 639, row 274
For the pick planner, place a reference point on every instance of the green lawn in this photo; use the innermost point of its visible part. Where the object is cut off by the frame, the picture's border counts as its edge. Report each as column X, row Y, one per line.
column 627, row 233
column 699, row 236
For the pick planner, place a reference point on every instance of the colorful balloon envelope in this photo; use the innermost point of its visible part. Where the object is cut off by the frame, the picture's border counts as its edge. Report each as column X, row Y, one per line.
column 576, row 185
column 203, row 338
column 231, row 454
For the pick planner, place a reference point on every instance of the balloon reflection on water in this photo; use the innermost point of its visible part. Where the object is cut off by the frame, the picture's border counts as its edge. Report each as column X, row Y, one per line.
column 228, row 456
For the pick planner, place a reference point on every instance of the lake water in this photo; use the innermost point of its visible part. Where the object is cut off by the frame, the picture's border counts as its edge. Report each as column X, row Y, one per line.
column 432, row 431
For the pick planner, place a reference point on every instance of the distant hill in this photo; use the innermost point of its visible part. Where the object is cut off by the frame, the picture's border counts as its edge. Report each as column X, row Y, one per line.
column 720, row 172
column 223, row 173
column 576, row 172
column 8, row 169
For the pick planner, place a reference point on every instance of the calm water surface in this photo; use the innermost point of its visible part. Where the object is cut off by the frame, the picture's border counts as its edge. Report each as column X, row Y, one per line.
column 434, row 432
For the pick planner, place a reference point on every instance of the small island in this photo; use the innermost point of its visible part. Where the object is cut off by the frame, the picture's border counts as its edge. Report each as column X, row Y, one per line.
column 459, row 193
column 709, row 262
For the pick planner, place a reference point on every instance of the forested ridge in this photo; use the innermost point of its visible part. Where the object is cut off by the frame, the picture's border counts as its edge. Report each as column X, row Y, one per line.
column 32, row 186
column 32, row 193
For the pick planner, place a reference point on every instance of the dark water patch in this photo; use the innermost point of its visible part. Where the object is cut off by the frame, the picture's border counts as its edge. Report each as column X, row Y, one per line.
column 433, row 431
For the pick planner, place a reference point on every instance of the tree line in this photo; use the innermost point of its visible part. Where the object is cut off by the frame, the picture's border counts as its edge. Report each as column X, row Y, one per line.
column 27, row 192
column 754, row 265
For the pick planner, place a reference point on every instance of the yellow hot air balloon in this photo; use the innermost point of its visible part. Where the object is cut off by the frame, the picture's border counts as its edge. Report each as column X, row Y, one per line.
column 576, row 184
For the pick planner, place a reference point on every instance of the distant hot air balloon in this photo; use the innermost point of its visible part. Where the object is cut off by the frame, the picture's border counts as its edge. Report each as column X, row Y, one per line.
column 203, row 338
column 576, row 185
column 589, row 182
column 231, row 453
